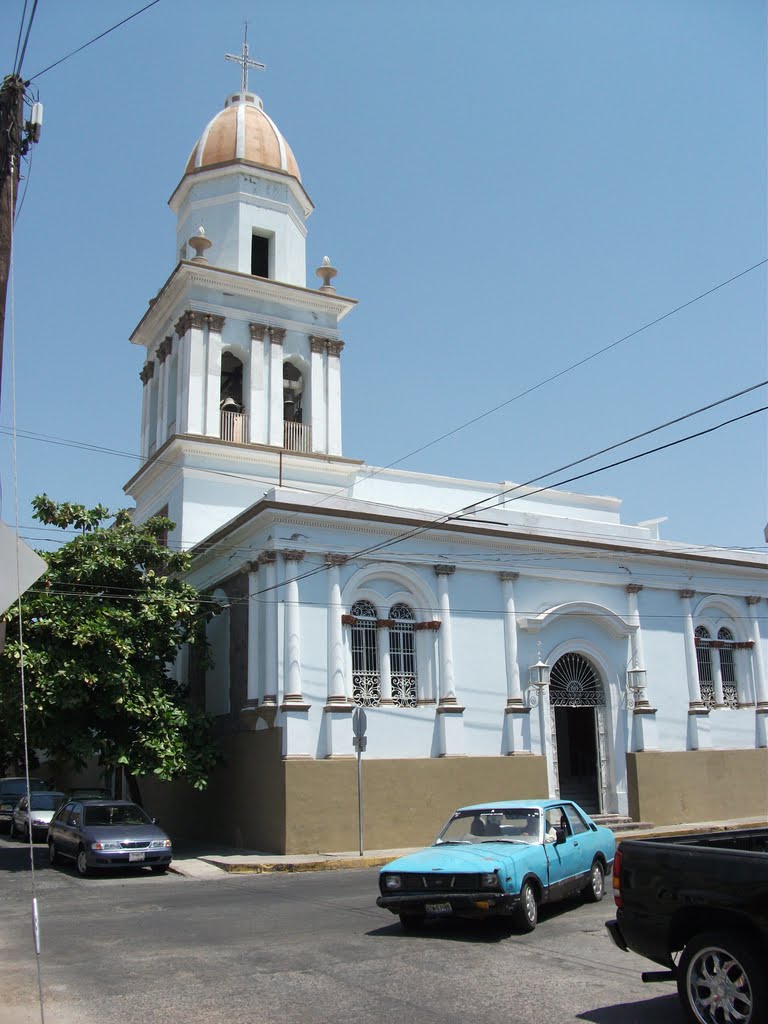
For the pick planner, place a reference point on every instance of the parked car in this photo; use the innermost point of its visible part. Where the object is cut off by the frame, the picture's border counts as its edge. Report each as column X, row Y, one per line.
column 108, row 834
column 12, row 789
column 87, row 793
column 702, row 897
column 45, row 803
column 501, row 859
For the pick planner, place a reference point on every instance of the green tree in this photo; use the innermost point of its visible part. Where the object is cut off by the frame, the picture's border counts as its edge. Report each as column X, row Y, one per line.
column 99, row 632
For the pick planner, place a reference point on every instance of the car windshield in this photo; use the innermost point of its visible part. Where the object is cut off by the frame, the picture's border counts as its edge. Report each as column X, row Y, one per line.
column 115, row 814
column 491, row 825
column 46, row 801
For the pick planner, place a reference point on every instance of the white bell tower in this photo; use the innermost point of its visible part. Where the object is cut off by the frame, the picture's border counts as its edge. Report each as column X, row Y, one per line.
column 242, row 375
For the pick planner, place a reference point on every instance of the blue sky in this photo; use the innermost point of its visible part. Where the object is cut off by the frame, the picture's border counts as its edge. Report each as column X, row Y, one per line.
column 506, row 187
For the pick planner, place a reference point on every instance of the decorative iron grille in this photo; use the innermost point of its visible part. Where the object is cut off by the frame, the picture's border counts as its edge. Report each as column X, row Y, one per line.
column 402, row 653
column 366, row 682
column 728, row 668
column 704, row 666
column 574, row 683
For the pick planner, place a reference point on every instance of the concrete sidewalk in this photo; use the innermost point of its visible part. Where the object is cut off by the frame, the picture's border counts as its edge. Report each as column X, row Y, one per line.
column 211, row 861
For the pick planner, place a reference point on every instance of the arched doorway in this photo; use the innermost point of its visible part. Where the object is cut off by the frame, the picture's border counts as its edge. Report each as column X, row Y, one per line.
column 577, row 703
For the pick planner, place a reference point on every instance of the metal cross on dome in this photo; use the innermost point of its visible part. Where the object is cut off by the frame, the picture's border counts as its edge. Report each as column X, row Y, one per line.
column 245, row 62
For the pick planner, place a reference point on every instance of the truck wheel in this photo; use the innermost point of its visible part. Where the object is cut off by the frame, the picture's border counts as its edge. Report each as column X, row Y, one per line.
column 527, row 914
column 720, row 980
column 594, row 890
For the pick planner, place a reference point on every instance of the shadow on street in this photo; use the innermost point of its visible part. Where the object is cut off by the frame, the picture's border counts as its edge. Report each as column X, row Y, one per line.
column 662, row 1010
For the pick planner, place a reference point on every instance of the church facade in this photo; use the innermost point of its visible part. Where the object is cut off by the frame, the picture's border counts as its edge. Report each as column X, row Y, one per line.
column 503, row 641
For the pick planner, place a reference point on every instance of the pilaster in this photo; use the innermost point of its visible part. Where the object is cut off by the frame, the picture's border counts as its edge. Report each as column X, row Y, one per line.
column 319, row 397
column 268, row 560
column 333, row 349
column 276, row 432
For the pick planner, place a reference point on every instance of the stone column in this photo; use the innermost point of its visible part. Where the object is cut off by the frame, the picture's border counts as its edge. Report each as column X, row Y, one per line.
column 644, row 731
column 182, row 385
column 163, row 351
column 145, row 377
column 334, row 397
column 385, row 662
column 318, row 396
column 761, row 686
column 516, row 726
column 191, row 326
column 292, row 690
column 213, row 376
column 451, row 732
column 276, row 431
column 252, row 692
column 338, row 709
column 268, row 559
column 698, row 715
column 255, row 404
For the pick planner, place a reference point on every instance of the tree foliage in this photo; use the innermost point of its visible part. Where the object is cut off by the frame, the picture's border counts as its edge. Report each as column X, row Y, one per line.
column 99, row 632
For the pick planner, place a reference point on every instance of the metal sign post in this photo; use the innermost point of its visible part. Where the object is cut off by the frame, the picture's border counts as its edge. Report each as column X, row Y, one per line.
column 359, row 742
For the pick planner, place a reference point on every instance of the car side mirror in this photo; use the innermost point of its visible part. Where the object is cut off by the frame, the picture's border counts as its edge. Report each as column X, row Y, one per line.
column 561, row 836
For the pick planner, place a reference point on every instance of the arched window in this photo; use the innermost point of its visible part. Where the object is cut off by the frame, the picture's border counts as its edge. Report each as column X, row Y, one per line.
column 366, row 682
column 402, row 654
column 233, row 418
column 728, row 667
column 704, row 665
column 574, row 683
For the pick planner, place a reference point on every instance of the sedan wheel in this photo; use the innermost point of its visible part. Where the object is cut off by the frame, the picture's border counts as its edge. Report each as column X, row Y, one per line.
column 595, row 889
column 527, row 915
column 82, row 863
column 12, row 833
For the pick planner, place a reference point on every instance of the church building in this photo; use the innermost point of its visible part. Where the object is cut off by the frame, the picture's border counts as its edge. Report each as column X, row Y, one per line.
column 504, row 641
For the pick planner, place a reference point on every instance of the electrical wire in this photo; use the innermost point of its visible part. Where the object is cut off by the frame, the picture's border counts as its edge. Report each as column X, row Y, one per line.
column 94, row 40
column 21, row 29
column 461, row 513
column 26, row 37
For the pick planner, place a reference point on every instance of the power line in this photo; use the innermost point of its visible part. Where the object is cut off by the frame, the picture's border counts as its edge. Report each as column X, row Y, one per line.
column 21, row 29
column 94, row 40
column 561, row 373
column 26, row 37
column 443, row 520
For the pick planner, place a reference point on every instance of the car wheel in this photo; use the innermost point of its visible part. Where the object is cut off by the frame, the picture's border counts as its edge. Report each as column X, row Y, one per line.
column 158, row 869
column 720, row 980
column 53, row 854
column 12, row 831
column 82, row 863
column 595, row 888
column 411, row 922
column 527, row 914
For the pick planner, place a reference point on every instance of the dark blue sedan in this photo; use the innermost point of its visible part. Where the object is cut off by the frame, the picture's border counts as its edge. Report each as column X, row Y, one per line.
column 108, row 834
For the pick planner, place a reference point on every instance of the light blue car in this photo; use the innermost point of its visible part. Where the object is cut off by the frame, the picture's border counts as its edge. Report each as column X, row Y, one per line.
column 501, row 859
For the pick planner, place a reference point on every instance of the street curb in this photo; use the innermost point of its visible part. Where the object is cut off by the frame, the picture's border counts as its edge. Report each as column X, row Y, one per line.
column 661, row 832
column 333, row 864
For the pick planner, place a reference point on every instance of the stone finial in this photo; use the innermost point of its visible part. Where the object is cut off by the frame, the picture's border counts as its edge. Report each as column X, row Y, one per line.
column 200, row 243
column 326, row 273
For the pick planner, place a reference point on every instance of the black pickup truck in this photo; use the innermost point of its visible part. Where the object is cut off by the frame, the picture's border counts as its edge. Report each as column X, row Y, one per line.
column 704, row 897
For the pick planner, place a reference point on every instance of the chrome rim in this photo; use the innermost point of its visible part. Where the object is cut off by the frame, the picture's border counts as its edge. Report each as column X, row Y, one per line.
column 718, row 988
column 529, row 902
column 82, row 863
column 597, row 881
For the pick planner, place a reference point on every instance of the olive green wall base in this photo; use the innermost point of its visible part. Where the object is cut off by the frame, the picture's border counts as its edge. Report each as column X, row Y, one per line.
column 405, row 802
column 258, row 801
column 669, row 788
column 243, row 804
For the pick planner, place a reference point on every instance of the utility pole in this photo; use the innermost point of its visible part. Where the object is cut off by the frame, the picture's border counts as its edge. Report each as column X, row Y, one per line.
column 12, row 145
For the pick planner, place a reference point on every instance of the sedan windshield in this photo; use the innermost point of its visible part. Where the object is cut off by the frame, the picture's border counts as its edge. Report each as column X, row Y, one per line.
column 47, row 801
column 511, row 825
column 115, row 814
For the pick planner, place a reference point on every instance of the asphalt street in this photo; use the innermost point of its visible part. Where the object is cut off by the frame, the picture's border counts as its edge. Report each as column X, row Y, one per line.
column 307, row 948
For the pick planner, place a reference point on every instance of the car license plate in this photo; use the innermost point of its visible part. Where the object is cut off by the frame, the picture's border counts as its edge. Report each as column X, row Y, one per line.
column 136, row 856
column 438, row 908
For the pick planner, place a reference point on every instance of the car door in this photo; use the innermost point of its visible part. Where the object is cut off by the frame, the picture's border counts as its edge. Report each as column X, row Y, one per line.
column 564, row 859
column 67, row 822
column 584, row 845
